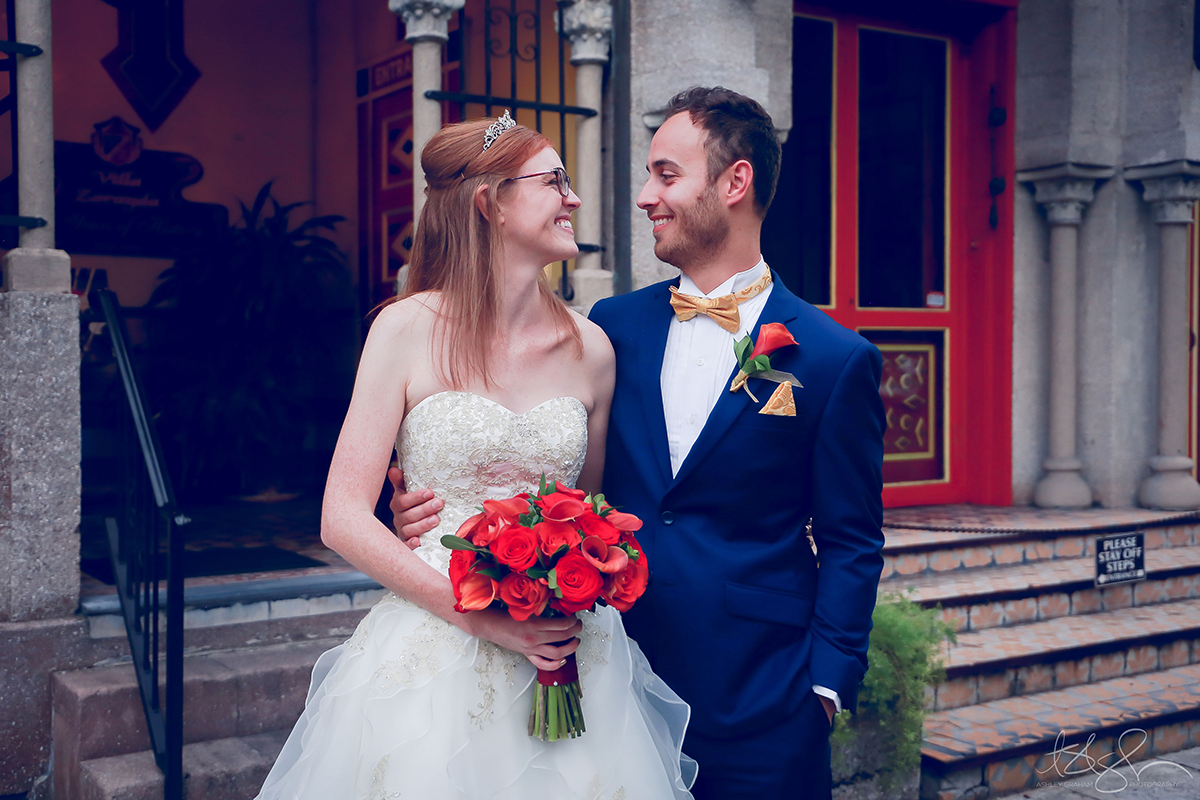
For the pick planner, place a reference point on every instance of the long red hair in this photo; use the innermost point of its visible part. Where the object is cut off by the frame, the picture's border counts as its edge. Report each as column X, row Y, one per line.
column 455, row 250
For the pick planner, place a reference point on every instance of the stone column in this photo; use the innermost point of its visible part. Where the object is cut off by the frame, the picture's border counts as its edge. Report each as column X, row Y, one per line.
column 426, row 23
column 1170, row 484
column 588, row 26
column 1064, row 200
column 39, row 362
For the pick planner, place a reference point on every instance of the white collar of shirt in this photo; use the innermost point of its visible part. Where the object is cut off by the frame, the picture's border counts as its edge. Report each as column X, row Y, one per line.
column 734, row 284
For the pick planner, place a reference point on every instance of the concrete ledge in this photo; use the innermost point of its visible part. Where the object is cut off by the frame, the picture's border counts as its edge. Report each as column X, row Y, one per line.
column 1066, row 171
column 37, row 270
column 244, row 593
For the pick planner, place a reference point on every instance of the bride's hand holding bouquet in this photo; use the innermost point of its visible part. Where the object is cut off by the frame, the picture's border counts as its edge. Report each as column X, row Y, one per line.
column 548, row 556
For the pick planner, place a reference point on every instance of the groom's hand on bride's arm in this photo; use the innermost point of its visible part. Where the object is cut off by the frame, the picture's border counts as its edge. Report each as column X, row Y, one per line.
column 413, row 513
column 536, row 638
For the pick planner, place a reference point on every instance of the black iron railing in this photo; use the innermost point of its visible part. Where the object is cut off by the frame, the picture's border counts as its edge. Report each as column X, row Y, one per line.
column 147, row 550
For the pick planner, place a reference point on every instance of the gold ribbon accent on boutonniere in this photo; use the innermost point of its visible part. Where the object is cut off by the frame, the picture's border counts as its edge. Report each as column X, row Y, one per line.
column 755, row 362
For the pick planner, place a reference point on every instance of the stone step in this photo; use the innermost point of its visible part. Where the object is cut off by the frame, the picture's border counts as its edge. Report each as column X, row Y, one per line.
column 1009, row 745
column 264, row 604
column 997, row 596
column 98, row 711
column 995, row 663
column 223, row 769
column 911, row 552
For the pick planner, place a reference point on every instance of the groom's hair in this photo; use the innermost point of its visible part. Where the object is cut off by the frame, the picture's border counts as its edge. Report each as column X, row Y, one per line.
column 738, row 128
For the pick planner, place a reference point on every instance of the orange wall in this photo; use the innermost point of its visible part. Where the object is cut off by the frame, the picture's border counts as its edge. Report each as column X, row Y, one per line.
column 248, row 119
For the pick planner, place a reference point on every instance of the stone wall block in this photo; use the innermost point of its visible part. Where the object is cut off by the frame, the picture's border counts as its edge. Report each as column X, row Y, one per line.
column 39, row 467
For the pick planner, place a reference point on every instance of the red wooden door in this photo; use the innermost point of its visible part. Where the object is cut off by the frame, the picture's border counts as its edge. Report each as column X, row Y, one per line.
column 885, row 219
column 386, row 161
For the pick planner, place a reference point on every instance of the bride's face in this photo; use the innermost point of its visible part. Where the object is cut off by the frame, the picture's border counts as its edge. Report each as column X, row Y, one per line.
column 535, row 217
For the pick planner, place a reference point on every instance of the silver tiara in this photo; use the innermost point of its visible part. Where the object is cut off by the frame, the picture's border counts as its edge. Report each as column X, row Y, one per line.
column 496, row 128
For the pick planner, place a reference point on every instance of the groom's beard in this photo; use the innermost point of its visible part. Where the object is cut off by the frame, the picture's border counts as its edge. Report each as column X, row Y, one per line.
column 698, row 232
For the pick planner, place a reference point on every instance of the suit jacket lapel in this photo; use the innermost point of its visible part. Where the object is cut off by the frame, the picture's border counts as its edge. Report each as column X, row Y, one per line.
column 780, row 307
column 651, row 350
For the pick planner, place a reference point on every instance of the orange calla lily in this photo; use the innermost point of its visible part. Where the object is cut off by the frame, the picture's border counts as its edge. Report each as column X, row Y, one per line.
column 771, row 337
column 606, row 558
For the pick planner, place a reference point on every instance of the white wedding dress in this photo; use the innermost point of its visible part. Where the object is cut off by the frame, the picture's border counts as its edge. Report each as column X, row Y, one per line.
column 412, row 707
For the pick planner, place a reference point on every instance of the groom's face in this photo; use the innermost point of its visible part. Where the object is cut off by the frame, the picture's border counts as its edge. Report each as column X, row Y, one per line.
column 690, row 222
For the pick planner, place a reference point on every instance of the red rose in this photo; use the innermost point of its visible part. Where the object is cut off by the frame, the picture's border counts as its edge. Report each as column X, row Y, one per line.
column 622, row 521
column 771, row 337
column 515, row 547
column 592, row 524
column 606, row 558
column 579, row 582
column 622, row 589
column 524, row 596
column 553, row 535
column 476, row 592
column 479, row 529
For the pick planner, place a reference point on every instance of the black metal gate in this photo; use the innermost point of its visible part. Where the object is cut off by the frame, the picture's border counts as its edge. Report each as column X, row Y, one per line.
column 513, row 45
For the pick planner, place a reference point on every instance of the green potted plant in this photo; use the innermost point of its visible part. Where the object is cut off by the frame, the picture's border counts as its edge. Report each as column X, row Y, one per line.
column 253, row 333
column 877, row 752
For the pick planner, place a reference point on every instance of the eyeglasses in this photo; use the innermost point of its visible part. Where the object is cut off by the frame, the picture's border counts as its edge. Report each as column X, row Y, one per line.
column 561, row 179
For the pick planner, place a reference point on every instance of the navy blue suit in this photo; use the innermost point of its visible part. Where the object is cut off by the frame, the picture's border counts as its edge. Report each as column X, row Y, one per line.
column 738, row 619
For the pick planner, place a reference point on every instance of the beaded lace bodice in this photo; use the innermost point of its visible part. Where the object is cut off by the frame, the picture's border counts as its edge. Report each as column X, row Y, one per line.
column 467, row 449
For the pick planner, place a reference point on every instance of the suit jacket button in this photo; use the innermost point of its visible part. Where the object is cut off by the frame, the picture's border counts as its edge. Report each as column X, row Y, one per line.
column 667, row 518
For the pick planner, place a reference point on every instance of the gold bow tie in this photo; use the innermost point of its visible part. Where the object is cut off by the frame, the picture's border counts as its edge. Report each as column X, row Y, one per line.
column 723, row 310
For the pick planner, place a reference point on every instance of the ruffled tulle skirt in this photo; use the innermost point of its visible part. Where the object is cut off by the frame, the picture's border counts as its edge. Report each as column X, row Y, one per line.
column 412, row 707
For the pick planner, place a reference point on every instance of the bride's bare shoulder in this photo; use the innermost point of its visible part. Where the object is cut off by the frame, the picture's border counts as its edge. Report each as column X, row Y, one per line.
column 597, row 350
column 407, row 317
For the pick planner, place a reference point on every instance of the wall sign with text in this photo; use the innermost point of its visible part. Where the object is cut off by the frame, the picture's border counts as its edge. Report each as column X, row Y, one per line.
column 1120, row 558
column 113, row 197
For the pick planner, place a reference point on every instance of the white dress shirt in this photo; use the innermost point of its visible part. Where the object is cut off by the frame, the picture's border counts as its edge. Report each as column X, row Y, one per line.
column 697, row 367
column 699, row 359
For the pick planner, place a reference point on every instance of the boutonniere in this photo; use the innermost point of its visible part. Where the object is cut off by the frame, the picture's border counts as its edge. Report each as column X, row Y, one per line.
column 755, row 362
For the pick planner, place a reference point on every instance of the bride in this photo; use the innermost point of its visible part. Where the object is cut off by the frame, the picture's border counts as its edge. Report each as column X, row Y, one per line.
column 490, row 381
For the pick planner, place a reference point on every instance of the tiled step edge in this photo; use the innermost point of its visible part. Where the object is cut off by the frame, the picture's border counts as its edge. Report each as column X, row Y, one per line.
column 911, row 553
column 1030, row 670
column 223, row 769
column 1043, row 600
column 1169, row 714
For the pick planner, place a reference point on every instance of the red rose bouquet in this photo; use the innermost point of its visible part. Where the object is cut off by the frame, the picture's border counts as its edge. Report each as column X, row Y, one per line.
column 550, row 554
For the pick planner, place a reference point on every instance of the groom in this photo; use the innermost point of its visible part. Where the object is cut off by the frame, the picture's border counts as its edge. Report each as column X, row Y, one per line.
column 764, row 639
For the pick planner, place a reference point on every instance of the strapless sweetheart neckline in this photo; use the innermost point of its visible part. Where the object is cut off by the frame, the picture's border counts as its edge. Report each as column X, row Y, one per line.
column 496, row 404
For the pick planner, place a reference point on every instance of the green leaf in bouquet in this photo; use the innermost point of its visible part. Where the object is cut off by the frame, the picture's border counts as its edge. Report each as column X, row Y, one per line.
column 631, row 551
column 530, row 519
column 597, row 502
column 552, row 582
column 537, row 572
column 495, row 571
column 542, row 485
column 741, row 349
column 452, row 542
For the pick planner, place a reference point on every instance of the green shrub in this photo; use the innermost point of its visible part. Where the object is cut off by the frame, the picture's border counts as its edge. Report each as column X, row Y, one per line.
column 904, row 657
